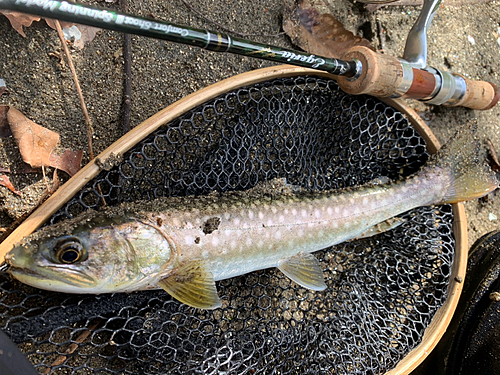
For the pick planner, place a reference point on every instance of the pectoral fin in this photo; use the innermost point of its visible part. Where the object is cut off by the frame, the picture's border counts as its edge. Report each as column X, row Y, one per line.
column 304, row 269
column 193, row 284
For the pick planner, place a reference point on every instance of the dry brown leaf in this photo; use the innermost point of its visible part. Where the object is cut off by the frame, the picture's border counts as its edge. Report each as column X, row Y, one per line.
column 321, row 34
column 88, row 34
column 35, row 142
column 69, row 161
column 4, row 125
column 18, row 20
column 4, row 181
column 52, row 25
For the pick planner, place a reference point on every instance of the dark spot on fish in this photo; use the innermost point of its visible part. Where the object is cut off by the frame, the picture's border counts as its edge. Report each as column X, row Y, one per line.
column 197, row 240
column 211, row 225
column 159, row 221
column 263, row 225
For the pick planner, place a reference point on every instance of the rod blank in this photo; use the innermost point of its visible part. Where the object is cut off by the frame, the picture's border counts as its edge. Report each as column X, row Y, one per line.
column 209, row 40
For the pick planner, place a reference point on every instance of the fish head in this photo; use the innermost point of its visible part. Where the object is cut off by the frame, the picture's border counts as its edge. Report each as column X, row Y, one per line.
column 102, row 255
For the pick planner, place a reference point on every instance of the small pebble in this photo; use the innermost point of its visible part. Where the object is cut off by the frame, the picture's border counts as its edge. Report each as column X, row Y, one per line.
column 495, row 296
column 471, row 40
column 492, row 216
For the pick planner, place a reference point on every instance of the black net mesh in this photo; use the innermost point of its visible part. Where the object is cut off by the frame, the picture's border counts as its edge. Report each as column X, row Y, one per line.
column 382, row 292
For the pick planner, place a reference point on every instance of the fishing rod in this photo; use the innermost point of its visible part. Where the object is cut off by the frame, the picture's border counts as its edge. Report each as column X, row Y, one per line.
column 361, row 71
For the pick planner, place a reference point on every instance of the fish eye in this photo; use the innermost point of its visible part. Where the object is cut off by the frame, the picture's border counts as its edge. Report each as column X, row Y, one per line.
column 69, row 250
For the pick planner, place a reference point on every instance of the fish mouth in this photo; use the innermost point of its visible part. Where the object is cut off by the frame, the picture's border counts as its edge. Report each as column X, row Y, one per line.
column 21, row 271
column 50, row 275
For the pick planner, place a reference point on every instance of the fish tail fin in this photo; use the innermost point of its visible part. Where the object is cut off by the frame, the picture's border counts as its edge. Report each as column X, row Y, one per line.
column 471, row 177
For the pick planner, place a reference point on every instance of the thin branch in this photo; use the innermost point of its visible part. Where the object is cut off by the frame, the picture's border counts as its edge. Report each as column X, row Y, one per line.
column 88, row 122
column 202, row 16
column 127, row 97
column 373, row 7
column 381, row 35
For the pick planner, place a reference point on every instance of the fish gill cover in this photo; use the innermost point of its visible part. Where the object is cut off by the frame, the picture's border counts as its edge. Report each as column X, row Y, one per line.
column 382, row 292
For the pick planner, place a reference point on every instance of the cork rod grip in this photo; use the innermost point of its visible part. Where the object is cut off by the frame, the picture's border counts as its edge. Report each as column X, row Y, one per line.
column 479, row 95
column 382, row 76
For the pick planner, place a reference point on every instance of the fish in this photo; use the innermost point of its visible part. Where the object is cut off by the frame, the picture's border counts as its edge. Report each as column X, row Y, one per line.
column 185, row 244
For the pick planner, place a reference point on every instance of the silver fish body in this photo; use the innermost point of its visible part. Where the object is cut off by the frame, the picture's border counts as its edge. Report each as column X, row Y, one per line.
column 244, row 234
column 183, row 245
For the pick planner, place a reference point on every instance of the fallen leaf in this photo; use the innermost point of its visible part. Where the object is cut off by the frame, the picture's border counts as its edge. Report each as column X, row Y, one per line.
column 52, row 23
column 88, row 34
column 4, row 170
column 27, row 169
column 77, row 34
column 321, row 34
column 4, row 124
column 35, row 142
column 18, row 20
column 4, row 181
column 69, row 161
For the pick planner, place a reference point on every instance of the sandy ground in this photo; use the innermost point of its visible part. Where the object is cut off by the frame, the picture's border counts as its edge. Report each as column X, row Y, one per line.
column 463, row 38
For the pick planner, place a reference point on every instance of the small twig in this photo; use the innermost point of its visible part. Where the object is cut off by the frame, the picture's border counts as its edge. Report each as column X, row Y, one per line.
column 373, row 7
column 494, row 163
column 88, row 122
column 202, row 16
column 128, row 76
column 83, row 336
column 45, row 179
column 381, row 35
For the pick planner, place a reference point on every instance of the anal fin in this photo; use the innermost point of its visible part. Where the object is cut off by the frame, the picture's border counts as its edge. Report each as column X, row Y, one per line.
column 304, row 269
column 193, row 284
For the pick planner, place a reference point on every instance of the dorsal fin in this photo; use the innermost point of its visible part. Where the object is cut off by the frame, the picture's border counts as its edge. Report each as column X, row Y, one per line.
column 192, row 283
